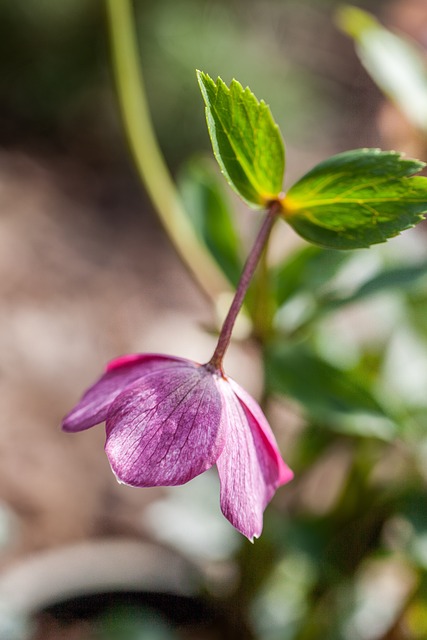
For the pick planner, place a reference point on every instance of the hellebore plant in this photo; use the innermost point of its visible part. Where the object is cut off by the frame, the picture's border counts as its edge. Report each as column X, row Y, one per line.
column 169, row 419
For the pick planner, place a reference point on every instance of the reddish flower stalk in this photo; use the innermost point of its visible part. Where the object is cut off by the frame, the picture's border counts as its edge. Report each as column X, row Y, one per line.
column 242, row 287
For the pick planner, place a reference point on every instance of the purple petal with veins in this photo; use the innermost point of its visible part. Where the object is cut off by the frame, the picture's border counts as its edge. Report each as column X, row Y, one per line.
column 120, row 373
column 264, row 431
column 250, row 467
column 170, row 426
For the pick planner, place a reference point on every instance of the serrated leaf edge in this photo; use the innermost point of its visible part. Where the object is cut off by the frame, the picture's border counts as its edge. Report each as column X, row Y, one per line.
column 263, row 197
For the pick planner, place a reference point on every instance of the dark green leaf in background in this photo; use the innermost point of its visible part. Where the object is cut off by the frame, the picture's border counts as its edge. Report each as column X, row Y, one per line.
column 357, row 198
column 308, row 269
column 134, row 623
column 410, row 527
column 211, row 217
column 402, row 278
column 245, row 139
column 327, row 394
column 417, row 313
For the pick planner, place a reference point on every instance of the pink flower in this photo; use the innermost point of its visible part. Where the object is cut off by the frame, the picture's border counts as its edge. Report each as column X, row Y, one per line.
column 169, row 419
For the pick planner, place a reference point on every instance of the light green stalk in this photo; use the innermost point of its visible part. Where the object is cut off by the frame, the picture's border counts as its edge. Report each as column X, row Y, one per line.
column 146, row 151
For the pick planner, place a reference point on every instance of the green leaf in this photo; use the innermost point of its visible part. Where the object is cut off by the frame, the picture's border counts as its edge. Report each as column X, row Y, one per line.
column 417, row 311
column 134, row 623
column 245, row 139
column 309, row 268
column 396, row 63
column 412, row 538
column 327, row 394
column 406, row 277
column 356, row 199
column 211, row 217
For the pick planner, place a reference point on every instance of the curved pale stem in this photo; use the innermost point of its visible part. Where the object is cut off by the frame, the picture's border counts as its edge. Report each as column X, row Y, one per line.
column 146, row 151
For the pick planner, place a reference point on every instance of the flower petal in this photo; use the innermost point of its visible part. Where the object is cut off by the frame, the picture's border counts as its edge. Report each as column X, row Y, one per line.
column 166, row 428
column 249, row 467
column 120, row 373
column 285, row 474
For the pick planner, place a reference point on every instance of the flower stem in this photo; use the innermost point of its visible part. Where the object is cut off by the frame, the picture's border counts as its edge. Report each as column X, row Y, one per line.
column 242, row 287
column 146, row 151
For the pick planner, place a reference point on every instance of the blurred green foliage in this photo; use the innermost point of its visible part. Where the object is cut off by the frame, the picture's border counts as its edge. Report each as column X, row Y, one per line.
column 210, row 212
column 133, row 623
column 56, row 82
column 49, row 56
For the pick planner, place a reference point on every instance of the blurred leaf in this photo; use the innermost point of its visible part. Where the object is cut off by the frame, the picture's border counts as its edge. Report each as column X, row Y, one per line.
column 211, row 217
column 410, row 529
column 327, row 394
column 282, row 603
column 417, row 311
column 356, row 199
column 133, row 623
column 406, row 277
column 312, row 444
column 406, row 531
column 309, row 268
column 396, row 63
column 245, row 139
column 416, row 619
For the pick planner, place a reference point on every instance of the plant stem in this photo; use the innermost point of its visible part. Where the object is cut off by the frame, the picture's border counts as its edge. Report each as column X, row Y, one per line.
column 146, row 151
column 242, row 287
column 262, row 310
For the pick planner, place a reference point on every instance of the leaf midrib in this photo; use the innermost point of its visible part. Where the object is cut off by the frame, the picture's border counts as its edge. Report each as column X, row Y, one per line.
column 258, row 190
column 359, row 201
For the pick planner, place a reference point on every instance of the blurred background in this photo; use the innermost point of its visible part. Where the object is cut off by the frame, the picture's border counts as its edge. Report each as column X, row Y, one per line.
column 87, row 273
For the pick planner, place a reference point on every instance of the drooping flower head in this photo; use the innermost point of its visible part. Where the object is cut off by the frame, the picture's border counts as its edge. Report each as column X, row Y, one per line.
column 169, row 419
